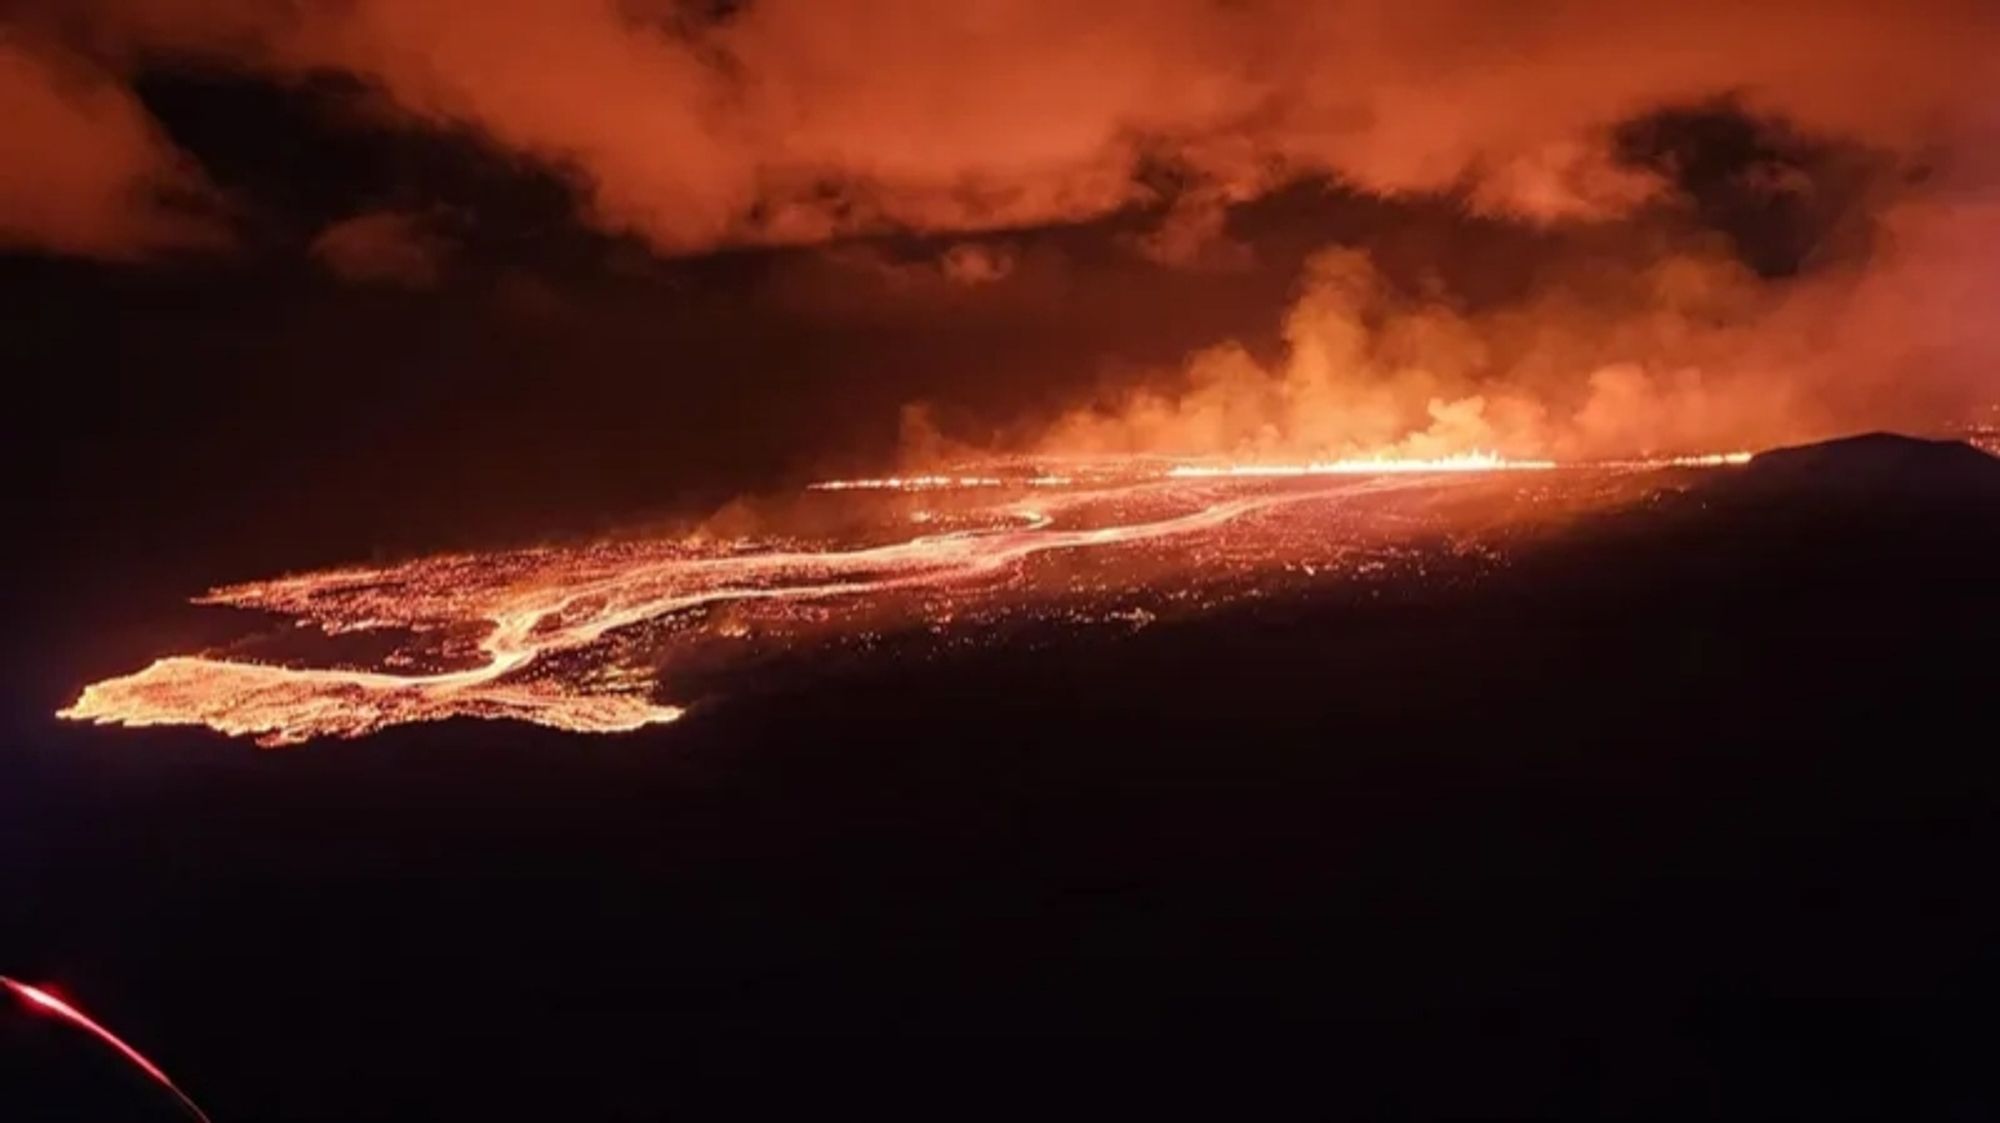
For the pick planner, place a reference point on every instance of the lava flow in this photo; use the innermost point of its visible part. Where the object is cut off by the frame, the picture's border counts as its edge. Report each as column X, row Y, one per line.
column 596, row 638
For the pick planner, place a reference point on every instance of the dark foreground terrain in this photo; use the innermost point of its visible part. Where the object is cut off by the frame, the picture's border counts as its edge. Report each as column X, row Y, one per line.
column 1691, row 813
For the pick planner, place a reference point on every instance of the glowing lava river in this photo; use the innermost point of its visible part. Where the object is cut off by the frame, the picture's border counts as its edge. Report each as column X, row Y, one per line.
column 613, row 636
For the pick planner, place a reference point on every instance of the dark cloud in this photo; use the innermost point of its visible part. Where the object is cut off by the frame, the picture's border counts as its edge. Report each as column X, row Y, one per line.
column 1781, row 197
column 974, row 264
column 382, row 247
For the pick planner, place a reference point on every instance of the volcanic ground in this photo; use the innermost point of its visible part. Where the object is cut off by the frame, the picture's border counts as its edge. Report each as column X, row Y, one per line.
column 1683, row 808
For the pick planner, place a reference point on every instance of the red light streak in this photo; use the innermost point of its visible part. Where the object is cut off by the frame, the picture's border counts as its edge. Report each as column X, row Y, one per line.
column 39, row 999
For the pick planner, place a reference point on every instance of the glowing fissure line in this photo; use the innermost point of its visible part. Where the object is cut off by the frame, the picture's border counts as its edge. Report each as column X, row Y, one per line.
column 1352, row 466
column 1702, row 460
column 1365, row 466
column 934, row 483
column 37, row 998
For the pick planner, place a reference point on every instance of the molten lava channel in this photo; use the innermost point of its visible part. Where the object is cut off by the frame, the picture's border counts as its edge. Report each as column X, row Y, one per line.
column 588, row 638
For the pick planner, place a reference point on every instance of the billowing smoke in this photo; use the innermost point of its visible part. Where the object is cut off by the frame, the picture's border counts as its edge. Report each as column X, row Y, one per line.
column 1764, row 286
column 1649, row 360
column 1675, row 347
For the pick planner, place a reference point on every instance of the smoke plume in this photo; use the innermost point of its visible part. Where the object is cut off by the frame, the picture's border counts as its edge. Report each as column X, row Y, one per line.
column 1687, row 350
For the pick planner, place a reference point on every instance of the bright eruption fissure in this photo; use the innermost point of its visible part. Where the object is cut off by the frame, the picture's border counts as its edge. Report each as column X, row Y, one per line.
column 614, row 636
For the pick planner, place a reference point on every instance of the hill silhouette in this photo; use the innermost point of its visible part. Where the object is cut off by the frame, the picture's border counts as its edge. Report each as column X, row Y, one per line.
column 1871, row 466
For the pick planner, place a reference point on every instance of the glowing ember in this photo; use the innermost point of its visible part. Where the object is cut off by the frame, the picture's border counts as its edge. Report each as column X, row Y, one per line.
column 39, row 999
column 584, row 638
